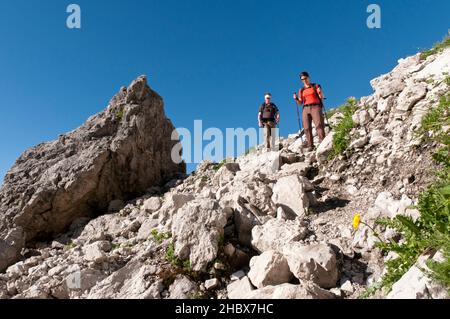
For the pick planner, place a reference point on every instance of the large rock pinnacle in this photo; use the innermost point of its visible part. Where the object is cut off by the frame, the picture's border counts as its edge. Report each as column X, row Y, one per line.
column 117, row 154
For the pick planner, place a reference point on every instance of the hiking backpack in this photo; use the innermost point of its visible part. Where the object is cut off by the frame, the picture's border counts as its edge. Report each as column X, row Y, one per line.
column 268, row 111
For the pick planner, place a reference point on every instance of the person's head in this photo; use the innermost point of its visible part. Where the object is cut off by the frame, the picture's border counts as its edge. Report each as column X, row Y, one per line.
column 268, row 97
column 304, row 77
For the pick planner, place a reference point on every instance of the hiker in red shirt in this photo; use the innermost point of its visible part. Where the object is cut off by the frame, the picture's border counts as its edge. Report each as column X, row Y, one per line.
column 311, row 96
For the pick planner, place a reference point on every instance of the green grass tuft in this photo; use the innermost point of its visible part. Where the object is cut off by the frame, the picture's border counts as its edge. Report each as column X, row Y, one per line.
column 341, row 138
column 120, row 113
column 438, row 47
column 185, row 265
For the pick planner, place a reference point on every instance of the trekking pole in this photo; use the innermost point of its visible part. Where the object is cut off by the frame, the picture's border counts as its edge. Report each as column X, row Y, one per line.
column 325, row 114
column 298, row 115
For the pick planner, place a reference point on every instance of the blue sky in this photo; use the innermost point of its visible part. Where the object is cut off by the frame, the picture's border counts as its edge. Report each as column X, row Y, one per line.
column 210, row 60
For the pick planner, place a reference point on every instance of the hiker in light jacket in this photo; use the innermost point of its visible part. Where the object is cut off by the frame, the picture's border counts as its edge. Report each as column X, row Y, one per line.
column 268, row 117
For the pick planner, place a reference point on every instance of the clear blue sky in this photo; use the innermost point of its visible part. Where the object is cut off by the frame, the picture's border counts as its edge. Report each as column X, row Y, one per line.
column 210, row 60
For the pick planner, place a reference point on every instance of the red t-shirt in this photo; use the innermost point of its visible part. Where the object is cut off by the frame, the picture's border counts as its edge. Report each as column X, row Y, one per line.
column 309, row 96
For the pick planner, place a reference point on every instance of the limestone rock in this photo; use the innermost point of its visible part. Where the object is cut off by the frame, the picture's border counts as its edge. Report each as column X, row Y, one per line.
column 183, row 288
column 325, row 148
column 239, row 289
column 290, row 291
column 129, row 282
column 96, row 252
column 275, row 234
column 152, row 204
column 289, row 192
column 415, row 284
column 412, row 94
column 118, row 153
column 316, row 263
column 196, row 229
column 269, row 269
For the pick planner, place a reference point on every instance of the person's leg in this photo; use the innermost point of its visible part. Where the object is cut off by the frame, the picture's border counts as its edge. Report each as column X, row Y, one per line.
column 267, row 134
column 317, row 116
column 306, row 119
column 271, row 134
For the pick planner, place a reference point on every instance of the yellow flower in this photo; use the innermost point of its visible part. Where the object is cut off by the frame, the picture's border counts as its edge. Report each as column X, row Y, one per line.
column 356, row 221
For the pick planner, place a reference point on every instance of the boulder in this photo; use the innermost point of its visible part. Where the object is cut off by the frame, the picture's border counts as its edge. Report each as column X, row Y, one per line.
column 300, row 168
column 415, row 284
column 10, row 247
column 196, row 229
column 266, row 163
column 129, row 282
column 226, row 174
column 289, row 192
column 276, row 233
column 269, row 269
column 412, row 94
column 118, row 153
column 145, row 231
column 152, row 204
column 325, row 148
column 385, row 105
column 183, row 288
column 376, row 138
column 359, row 143
column 388, row 84
column 316, row 263
column 290, row 291
column 96, row 252
column 239, row 289
column 212, row 284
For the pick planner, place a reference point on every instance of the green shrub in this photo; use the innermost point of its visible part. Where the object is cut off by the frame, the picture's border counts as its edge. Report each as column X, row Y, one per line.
column 438, row 47
column 120, row 113
column 431, row 231
column 341, row 138
column 185, row 265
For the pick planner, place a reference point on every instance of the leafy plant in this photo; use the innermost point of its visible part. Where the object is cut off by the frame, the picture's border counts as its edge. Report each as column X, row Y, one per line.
column 431, row 231
column 160, row 237
column 120, row 112
column 341, row 138
column 177, row 262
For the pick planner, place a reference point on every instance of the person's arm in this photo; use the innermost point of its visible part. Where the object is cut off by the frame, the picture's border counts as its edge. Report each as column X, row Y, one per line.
column 298, row 98
column 260, row 118
column 320, row 92
column 277, row 115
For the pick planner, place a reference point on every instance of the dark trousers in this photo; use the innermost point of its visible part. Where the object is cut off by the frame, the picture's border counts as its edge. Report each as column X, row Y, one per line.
column 313, row 114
